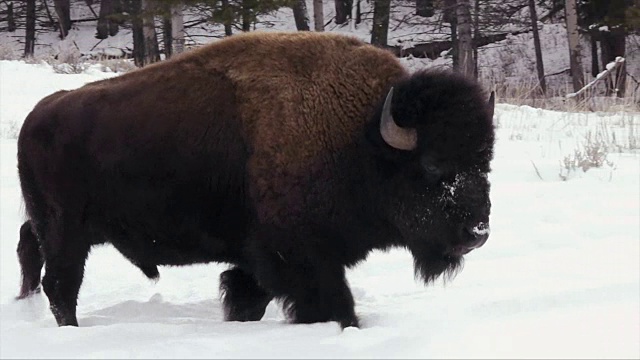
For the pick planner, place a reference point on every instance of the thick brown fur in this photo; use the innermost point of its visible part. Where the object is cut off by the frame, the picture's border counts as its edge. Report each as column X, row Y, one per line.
column 261, row 151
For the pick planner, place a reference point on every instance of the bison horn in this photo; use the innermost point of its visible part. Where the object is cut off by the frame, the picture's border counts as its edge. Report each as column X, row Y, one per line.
column 394, row 135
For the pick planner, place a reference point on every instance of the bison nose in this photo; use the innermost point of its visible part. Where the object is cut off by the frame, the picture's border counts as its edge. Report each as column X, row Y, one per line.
column 477, row 235
column 472, row 237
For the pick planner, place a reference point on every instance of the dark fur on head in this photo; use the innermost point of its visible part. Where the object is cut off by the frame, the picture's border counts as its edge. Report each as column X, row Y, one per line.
column 449, row 190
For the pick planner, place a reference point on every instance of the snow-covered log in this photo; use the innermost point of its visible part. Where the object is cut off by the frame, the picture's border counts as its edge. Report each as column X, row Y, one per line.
column 609, row 68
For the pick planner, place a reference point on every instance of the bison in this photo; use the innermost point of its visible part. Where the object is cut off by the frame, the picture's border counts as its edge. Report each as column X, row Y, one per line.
column 288, row 156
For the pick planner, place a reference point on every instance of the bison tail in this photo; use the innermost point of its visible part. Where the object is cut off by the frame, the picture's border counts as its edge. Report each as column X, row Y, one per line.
column 31, row 261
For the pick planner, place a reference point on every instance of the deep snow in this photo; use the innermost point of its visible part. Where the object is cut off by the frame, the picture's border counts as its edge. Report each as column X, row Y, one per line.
column 559, row 276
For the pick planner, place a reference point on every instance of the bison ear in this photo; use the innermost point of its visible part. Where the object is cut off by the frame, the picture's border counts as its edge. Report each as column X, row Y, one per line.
column 492, row 104
column 394, row 135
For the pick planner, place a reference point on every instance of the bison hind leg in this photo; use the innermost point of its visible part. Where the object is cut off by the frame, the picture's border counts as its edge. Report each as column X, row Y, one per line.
column 65, row 256
column 30, row 260
column 243, row 298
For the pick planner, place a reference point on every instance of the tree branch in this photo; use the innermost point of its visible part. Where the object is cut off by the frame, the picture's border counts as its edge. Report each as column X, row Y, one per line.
column 433, row 49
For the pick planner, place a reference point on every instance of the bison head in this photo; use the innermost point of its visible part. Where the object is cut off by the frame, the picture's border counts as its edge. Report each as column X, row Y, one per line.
column 435, row 143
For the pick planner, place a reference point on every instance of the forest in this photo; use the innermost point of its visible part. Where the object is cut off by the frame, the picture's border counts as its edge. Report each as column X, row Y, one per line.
column 598, row 60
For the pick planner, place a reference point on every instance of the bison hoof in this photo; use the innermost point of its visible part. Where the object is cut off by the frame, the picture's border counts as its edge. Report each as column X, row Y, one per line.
column 246, row 315
column 67, row 322
column 64, row 317
column 349, row 323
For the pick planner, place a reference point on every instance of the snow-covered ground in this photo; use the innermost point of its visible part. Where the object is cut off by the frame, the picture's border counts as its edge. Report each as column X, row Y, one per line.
column 559, row 276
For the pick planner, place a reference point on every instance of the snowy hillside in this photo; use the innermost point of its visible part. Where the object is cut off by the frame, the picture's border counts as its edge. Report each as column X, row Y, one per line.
column 559, row 276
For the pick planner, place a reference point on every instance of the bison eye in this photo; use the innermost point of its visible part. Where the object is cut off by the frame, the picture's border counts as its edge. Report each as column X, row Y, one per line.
column 429, row 166
column 432, row 169
column 432, row 173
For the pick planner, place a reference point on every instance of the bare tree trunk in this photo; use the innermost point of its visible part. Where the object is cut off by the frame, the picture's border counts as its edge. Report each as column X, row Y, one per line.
column 104, row 23
column 613, row 45
column 476, row 35
column 343, row 10
column 353, row 15
column 247, row 8
column 380, row 22
column 228, row 30
column 151, row 51
column 465, row 43
column 451, row 18
column 536, row 43
column 301, row 15
column 113, row 23
column 595, row 69
column 167, row 26
column 11, row 20
column 246, row 23
column 49, row 16
column 424, row 8
column 30, row 35
column 134, row 8
column 177, row 28
column 575, row 51
column 455, row 49
column 63, row 10
column 318, row 15
column 102, row 29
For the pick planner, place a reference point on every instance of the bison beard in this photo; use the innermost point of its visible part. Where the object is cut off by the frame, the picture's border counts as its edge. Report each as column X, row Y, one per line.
column 274, row 161
column 431, row 268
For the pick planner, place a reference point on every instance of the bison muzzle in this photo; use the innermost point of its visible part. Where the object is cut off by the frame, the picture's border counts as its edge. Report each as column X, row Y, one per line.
column 289, row 156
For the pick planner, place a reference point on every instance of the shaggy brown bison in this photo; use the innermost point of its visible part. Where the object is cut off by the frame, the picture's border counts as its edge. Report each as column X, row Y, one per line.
column 287, row 155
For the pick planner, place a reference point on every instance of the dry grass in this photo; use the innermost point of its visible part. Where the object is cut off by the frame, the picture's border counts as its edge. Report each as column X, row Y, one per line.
column 591, row 153
column 117, row 65
column 577, row 140
column 7, row 53
column 526, row 92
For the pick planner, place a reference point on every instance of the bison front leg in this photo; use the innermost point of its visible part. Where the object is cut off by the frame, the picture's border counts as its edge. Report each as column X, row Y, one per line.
column 243, row 298
column 320, row 295
column 312, row 287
